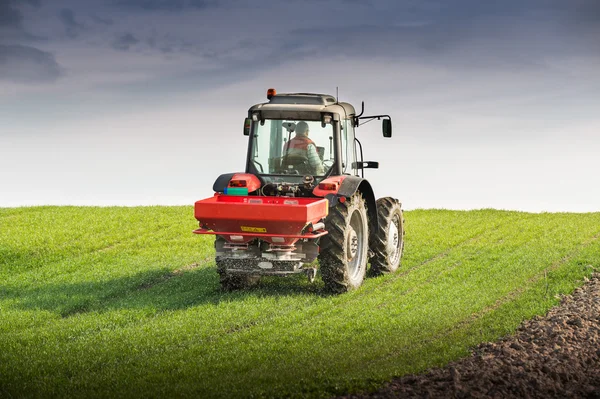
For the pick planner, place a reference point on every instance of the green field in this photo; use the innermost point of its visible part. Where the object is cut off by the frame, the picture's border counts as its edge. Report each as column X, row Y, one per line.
column 98, row 302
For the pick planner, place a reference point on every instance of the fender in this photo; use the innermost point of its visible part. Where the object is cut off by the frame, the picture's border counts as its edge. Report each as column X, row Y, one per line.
column 222, row 182
column 335, row 187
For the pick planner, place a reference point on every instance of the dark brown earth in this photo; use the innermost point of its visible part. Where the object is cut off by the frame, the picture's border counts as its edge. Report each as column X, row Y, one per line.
column 555, row 356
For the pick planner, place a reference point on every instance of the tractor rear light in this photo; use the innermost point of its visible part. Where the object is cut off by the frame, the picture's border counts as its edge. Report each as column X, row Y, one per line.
column 342, row 199
column 270, row 93
column 328, row 186
column 238, row 183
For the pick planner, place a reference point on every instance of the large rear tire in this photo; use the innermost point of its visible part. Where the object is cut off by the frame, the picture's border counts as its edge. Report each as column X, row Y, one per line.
column 387, row 243
column 343, row 256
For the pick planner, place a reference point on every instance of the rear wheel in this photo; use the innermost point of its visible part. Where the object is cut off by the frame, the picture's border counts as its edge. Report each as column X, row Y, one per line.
column 343, row 256
column 387, row 243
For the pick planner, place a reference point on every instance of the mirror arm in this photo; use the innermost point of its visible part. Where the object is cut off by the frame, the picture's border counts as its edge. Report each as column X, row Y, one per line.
column 371, row 117
column 355, row 118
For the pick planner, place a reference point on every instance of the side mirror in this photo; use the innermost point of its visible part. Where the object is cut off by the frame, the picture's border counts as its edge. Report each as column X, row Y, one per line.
column 247, row 125
column 387, row 128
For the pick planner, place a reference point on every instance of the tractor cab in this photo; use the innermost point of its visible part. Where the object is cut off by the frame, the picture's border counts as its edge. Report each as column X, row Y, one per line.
column 303, row 134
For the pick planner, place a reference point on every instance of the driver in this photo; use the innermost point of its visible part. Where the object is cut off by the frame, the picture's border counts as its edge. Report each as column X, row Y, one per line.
column 300, row 146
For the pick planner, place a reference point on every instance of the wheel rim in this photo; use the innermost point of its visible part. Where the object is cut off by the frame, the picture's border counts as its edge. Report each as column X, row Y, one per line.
column 394, row 243
column 355, row 245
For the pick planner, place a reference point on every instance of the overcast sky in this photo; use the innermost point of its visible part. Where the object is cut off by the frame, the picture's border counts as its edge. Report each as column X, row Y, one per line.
column 494, row 104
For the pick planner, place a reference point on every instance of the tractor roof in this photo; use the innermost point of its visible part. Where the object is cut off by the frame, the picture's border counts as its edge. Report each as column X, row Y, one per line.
column 302, row 98
column 303, row 103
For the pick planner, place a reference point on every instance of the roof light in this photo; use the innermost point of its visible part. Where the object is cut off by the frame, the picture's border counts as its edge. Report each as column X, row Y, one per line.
column 270, row 93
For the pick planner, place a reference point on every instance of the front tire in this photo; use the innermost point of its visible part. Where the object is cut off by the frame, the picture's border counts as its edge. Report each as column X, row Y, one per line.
column 343, row 256
column 387, row 243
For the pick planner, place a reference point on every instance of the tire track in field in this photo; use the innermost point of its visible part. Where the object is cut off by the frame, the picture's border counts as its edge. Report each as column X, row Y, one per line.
column 92, row 303
column 468, row 241
column 163, row 278
column 531, row 281
column 102, row 301
column 502, row 300
column 58, row 257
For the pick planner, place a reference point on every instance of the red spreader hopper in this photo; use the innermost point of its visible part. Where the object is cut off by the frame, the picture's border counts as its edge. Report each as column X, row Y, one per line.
column 278, row 220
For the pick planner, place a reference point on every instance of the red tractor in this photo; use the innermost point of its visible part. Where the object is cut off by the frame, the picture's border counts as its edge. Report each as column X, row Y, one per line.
column 302, row 197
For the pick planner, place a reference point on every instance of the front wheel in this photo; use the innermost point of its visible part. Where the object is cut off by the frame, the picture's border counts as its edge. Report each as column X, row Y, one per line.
column 387, row 243
column 343, row 256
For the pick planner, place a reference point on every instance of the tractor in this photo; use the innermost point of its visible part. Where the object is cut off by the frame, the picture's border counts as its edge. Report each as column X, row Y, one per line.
column 301, row 211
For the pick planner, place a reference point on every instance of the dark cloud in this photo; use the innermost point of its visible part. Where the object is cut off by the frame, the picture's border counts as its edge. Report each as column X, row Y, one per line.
column 125, row 41
column 202, row 3
column 72, row 27
column 10, row 17
column 35, row 3
column 165, row 5
column 22, row 63
column 584, row 12
column 11, row 20
column 170, row 44
column 102, row 21
column 26, row 64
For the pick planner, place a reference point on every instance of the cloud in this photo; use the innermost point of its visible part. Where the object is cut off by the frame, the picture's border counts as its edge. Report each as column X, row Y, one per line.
column 25, row 64
column 10, row 17
column 22, row 63
column 72, row 27
column 102, row 21
column 165, row 5
column 124, row 42
column 11, row 20
column 584, row 14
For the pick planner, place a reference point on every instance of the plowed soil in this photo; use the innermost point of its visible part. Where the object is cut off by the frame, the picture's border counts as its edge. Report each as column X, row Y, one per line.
column 555, row 356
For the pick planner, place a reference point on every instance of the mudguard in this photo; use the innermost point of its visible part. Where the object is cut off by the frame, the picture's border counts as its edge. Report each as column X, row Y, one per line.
column 222, row 182
column 346, row 186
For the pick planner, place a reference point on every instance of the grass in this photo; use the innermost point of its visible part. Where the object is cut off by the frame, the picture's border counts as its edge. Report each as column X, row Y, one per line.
column 98, row 302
